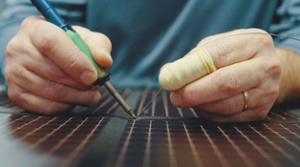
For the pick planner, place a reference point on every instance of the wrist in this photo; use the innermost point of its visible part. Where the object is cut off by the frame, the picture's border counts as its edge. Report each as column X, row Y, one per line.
column 289, row 80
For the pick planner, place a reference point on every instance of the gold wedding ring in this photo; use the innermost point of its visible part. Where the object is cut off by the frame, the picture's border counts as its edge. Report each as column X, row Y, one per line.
column 246, row 99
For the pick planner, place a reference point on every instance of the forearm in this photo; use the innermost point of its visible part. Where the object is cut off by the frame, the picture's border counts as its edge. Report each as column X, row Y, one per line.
column 290, row 77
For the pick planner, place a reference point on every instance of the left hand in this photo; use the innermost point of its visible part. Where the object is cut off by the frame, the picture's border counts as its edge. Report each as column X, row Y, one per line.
column 246, row 60
column 47, row 73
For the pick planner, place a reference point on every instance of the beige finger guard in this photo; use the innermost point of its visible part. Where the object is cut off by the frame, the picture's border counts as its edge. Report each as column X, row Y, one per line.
column 195, row 65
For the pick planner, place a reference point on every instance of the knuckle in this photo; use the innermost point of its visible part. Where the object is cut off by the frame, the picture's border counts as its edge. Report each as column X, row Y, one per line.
column 220, row 54
column 273, row 68
column 12, row 47
column 56, row 73
column 9, row 74
column 55, row 91
column 263, row 39
column 13, row 74
column 57, row 76
column 227, row 83
column 48, row 40
column 272, row 94
column 27, row 22
column 14, row 96
column 72, row 61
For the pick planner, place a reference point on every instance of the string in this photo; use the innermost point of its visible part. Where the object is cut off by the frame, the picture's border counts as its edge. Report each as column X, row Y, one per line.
column 153, row 98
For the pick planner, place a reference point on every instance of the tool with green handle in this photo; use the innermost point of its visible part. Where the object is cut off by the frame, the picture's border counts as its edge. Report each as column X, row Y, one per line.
column 103, row 75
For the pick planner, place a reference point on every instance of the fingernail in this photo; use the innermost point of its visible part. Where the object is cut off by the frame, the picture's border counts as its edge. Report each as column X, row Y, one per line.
column 87, row 77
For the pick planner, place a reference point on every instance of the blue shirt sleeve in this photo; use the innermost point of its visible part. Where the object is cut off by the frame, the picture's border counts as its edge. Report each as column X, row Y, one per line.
column 287, row 25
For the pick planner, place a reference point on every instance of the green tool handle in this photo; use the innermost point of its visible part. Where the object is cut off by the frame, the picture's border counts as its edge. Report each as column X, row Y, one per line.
column 103, row 75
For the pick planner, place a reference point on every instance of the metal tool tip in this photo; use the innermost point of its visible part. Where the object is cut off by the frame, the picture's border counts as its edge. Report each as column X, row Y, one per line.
column 132, row 114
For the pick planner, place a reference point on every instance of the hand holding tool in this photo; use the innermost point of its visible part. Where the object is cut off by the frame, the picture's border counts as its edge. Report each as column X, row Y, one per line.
column 50, row 14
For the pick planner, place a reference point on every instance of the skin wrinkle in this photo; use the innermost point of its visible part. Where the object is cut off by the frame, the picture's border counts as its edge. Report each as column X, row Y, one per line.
column 51, row 107
column 232, row 84
column 14, row 96
column 55, row 91
column 71, row 62
column 230, row 106
column 47, row 42
column 259, row 39
column 275, row 70
column 234, row 106
column 47, row 109
column 223, row 54
column 227, row 108
column 54, row 74
column 228, row 83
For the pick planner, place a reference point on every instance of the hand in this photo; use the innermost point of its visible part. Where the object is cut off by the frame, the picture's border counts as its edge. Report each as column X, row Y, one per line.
column 47, row 73
column 246, row 60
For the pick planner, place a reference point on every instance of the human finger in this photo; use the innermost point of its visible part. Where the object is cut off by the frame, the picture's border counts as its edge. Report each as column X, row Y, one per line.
column 54, row 91
column 54, row 43
column 32, row 102
column 255, row 114
column 221, row 53
column 227, row 82
column 99, row 45
column 235, row 104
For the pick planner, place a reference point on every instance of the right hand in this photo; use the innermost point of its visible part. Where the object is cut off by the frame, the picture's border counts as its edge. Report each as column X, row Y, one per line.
column 47, row 73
